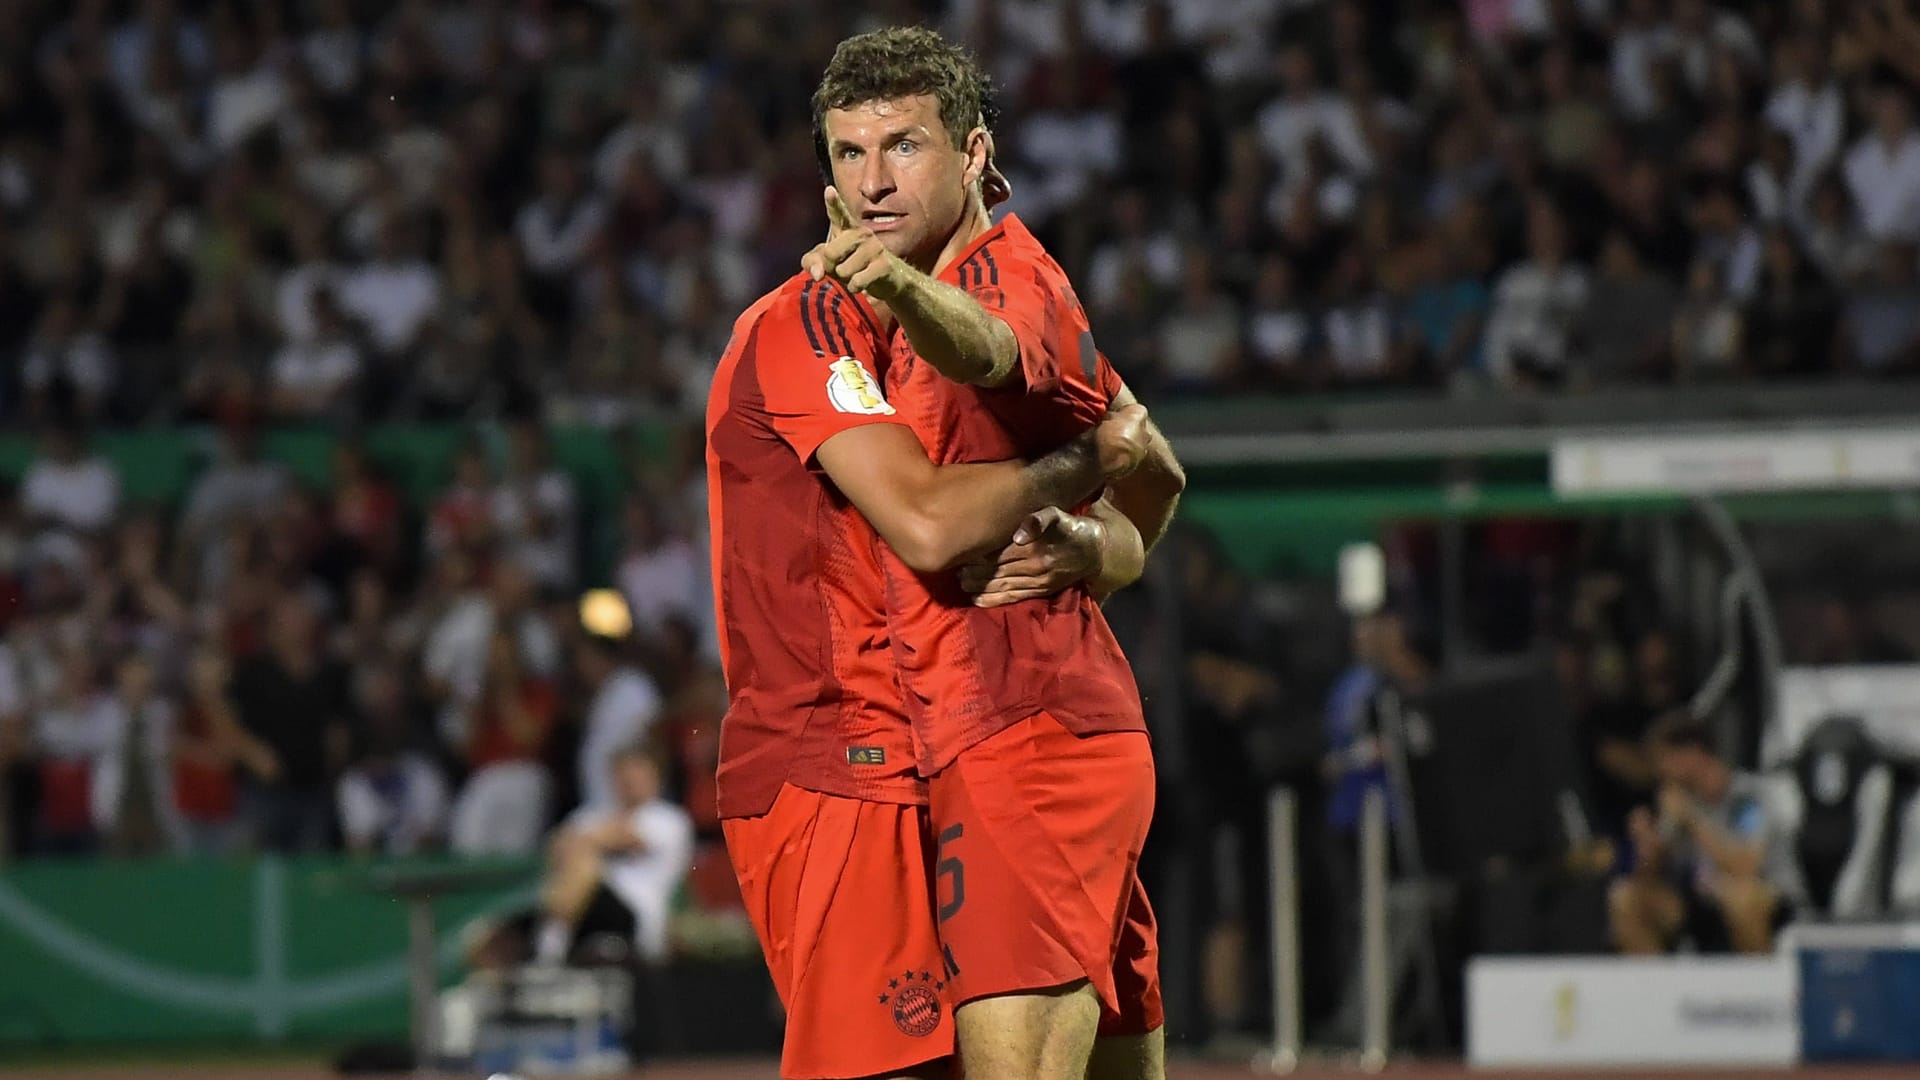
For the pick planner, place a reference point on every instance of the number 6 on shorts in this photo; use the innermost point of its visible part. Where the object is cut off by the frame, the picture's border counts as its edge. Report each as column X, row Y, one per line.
column 946, row 866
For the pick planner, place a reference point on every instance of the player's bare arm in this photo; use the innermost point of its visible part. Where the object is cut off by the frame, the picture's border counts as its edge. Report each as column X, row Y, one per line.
column 1107, row 547
column 947, row 328
column 938, row 516
column 1149, row 495
column 1054, row 550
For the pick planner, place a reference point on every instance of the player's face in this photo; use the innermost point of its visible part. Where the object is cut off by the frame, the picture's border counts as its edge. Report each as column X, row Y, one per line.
column 895, row 164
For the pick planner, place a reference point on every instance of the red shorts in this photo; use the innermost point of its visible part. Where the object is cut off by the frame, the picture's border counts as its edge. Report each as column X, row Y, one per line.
column 838, row 893
column 1037, row 868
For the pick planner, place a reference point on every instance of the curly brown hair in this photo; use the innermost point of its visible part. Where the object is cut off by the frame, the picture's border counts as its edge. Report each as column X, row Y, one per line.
column 897, row 62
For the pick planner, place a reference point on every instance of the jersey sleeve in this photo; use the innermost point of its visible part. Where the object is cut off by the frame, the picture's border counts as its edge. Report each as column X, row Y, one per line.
column 1106, row 379
column 1028, row 292
column 819, row 365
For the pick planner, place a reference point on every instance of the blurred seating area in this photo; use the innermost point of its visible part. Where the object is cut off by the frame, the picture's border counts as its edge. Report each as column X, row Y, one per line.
column 334, row 210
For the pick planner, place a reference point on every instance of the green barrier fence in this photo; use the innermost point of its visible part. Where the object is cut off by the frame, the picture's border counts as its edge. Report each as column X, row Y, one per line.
column 202, row 952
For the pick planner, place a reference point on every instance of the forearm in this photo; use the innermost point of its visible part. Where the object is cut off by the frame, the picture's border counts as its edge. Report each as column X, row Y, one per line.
column 1149, row 496
column 951, row 331
column 966, row 510
column 1123, row 551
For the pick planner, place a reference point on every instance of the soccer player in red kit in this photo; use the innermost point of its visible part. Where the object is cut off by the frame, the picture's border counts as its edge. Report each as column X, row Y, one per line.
column 1025, row 716
column 823, row 814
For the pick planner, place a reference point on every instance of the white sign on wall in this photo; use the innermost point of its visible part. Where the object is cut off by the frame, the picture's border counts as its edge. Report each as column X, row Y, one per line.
column 1772, row 461
column 1726, row 1012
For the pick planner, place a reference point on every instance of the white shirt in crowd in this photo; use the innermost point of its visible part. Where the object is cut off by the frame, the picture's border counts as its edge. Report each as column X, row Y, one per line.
column 396, row 817
column 1885, row 184
column 666, row 151
column 1359, row 338
column 86, row 360
column 647, row 880
column 241, row 105
column 82, row 494
column 1072, row 150
column 316, row 368
column 1279, row 337
column 623, row 711
column 456, row 649
column 1815, row 119
column 1534, row 313
column 555, row 238
column 663, row 582
column 394, row 300
column 517, row 508
column 109, row 722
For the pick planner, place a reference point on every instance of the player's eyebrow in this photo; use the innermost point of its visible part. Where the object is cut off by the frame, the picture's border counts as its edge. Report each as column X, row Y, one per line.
column 891, row 137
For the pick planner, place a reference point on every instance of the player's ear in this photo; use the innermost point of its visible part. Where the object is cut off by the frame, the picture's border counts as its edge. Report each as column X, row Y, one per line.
column 979, row 150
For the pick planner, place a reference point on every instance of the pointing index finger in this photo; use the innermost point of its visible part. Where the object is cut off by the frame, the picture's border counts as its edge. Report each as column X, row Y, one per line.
column 838, row 215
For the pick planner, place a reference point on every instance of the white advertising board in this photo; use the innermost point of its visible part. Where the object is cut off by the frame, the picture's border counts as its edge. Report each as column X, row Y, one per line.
column 1726, row 1012
column 1762, row 461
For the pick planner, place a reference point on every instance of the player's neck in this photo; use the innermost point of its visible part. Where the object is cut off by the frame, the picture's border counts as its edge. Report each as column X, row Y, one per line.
column 974, row 221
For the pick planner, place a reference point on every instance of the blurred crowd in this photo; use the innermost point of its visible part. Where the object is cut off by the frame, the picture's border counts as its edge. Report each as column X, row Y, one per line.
column 273, row 666
column 333, row 209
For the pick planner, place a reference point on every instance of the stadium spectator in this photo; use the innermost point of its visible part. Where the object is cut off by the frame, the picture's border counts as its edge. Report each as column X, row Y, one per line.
column 1708, row 864
column 296, row 703
column 535, row 509
column 1880, row 325
column 209, row 747
column 457, row 646
column 68, row 739
column 68, row 488
column 393, row 799
column 659, row 571
column 1384, row 668
column 1537, row 304
column 134, row 804
column 1628, row 320
column 1790, row 321
column 240, row 486
column 67, row 355
column 1836, row 241
column 365, row 516
column 462, row 513
column 315, row 379
column 504, row 804
column 617, row 864
column 1707, row 332
column 1279, row 327
column 1883, row 168
column 621, row 710
column 395, row 294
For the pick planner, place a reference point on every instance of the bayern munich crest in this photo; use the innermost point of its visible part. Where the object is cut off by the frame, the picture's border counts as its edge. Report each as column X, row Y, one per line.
column 915, row 1000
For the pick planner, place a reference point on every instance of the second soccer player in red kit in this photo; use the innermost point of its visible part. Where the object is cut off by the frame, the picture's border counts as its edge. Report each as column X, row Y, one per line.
column 1025, row 716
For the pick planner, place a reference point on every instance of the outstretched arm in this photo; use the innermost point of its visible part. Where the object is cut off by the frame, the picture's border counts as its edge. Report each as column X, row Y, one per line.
column 947, row 328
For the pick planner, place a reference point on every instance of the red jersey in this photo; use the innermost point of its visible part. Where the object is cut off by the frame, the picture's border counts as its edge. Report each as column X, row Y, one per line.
column 812, row 697
column 969, row 672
